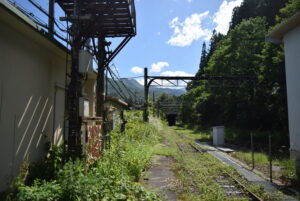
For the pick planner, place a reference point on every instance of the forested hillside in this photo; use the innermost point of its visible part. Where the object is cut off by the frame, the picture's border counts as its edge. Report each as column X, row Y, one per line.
column 250, row 105
column 132, row 91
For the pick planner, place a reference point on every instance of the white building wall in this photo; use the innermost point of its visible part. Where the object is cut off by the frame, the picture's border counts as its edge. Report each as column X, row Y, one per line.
column 31, row 74
column 292, row 59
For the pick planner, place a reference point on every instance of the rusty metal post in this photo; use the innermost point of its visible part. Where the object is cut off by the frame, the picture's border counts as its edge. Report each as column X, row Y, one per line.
column 153, row 100
column 146, row 90
column 73, row 95
column 135, row 99
column 100, row 89
column 270, row 158
column 252, row 150
column 123, row 122
column 101, row 78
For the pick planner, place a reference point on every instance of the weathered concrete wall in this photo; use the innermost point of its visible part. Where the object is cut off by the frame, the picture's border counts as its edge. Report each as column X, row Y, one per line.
column 32, row 97
column 292, row 59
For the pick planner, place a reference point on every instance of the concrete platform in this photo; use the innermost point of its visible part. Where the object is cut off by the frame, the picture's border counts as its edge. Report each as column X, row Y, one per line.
column 249, row 175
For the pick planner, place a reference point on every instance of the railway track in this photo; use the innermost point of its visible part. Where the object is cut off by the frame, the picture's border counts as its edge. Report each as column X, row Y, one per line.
column 232, row 187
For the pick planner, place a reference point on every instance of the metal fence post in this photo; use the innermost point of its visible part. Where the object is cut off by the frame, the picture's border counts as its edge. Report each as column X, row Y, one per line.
column 270, row 157
column 252, row 150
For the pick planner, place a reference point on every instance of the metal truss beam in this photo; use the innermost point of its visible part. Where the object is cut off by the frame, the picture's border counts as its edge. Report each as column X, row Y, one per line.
column 148, row 80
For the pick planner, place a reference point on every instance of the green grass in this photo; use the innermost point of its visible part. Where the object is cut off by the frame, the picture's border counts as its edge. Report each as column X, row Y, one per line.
column 286, row 174
column 196, row 134
column 197, row 172
column 259, row 158
column 114, row 177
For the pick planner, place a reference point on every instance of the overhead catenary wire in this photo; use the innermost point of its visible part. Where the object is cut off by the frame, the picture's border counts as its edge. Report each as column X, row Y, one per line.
column 132, row 95
column 116, row 69
column 36, row 19
column 117, row 88
column 119, row 93
column 132, row 77
column 38, row 6
column 124, row 85
column 121, row 81
column 113, row 78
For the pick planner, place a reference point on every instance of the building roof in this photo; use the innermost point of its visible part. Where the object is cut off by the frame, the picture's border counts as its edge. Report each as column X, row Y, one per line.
column 116, row 102
column 16, row 19
column 276, row 36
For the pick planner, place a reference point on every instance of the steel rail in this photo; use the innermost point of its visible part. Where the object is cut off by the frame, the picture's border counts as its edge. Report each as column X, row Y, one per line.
column 251, row 194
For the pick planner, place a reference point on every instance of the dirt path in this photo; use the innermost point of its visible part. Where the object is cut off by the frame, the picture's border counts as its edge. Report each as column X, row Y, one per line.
column 160, row 178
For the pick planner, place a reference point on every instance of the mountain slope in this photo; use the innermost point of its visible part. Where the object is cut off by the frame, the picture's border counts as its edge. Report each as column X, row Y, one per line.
column 134, row 90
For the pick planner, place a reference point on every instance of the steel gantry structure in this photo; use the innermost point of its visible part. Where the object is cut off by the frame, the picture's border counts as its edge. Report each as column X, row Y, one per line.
column 148, row 80
column 93, row 20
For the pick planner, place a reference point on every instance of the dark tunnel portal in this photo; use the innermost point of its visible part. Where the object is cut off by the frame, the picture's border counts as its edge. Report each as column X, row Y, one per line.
column 171, row 118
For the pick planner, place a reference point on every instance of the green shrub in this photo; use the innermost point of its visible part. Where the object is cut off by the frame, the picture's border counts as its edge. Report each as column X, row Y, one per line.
column 113, row 177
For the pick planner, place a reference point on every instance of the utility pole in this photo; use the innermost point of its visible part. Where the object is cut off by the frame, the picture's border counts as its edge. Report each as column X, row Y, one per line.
column 82, row 14
column 100, row 99
column 153, row 100
column 146, row 90
column 101, row 78
column 74, row 91
column 51, row 17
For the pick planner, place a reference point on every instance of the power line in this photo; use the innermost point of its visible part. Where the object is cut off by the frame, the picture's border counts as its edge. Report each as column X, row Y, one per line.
column 111, row 74
column 36, row 19
column 38, row 6
column 132, row 77
column 120, row 94
column 121, row 81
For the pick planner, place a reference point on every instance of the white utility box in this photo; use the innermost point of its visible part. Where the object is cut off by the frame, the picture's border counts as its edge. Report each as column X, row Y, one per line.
column 85, row 62
column 218, row 135
column 81, row 107
column 84, row 107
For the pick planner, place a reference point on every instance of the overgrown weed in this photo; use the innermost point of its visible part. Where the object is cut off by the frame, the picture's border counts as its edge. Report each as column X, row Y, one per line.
column 114, row 177
column 198, row 172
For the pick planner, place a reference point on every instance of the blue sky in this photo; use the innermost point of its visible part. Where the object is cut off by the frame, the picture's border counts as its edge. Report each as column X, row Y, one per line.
column 170, row 34
column 157, row 45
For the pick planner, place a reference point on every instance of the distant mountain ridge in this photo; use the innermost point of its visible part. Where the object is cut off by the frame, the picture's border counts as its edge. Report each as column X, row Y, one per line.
column 136, row 88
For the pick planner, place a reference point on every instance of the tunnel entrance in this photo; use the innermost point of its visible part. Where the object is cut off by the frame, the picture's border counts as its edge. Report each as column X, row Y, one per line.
column 171, row 118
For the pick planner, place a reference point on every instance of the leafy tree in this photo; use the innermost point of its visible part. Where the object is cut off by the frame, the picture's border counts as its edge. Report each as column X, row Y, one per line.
column 289, row 10
column 259, row 105
column 257, row 8
column 205, row 56
column 203, row 60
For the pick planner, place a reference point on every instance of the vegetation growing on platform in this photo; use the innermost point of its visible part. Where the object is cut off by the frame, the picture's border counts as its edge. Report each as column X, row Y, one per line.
column 114, row 177
column 198, row 172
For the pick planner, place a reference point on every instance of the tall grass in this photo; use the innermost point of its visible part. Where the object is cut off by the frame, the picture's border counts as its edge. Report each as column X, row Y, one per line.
column 114, row 177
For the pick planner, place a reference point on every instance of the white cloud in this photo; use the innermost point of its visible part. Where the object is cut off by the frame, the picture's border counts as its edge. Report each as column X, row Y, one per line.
column 137, row 70
column 223, row 16
column 184, row 33
column 175, row 73
column 141, row 81
column 157, row 67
